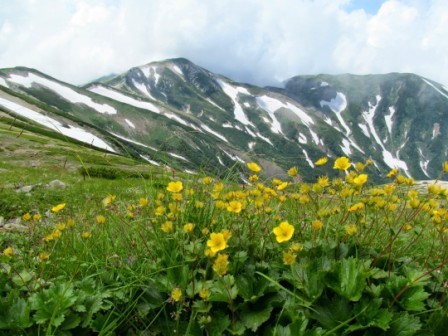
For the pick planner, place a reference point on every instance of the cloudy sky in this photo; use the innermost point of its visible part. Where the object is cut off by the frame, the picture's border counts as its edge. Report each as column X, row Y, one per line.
column 255, row 41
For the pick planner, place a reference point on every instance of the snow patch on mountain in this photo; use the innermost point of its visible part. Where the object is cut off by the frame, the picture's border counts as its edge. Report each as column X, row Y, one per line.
column 346, row 147
column 308, row 158
column 67, row 130
column 251, row 144
column 133, row 141
column 130, row 123
column 389, row 159
column 150, row 71
column 423, row 163
column 435, row 88
column 62, row 90
column 271, row 105
column 337, row 104
column 302, row 138
column 178, row 70
column 3, row 82
column 364, row 129
column 233, row 157
column 216, row 134
column 214, row 104
column 264, row 138
column 315, row 137
column 175, row 117
column 147, row 158
column 106, row 92
column 388, row 119
column 232, row 92
column 143, row 89
column 177, row 156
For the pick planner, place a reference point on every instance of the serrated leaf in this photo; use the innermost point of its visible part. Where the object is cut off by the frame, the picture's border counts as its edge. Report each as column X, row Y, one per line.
column 348, row 279
column 254, row 315
column 16, row 315
column 220, row 322
column 413, row 299
column 404, row 325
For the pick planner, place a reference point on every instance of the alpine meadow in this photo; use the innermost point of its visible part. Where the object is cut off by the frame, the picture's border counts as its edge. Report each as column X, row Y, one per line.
column 170, row 200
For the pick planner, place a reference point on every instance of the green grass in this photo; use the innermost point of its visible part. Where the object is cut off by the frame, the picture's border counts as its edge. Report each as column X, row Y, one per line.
column 112, row 254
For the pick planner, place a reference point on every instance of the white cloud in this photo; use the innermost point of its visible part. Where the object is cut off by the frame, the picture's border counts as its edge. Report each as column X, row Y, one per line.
column 247, row 40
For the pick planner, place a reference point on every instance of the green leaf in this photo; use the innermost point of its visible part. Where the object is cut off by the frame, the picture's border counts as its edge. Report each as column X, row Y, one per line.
column 223, row 290
column 404, row 325
column 220, row 322
column 16, row 314
column 330, row 313
column 348, row 279
column 371, row 314
column 52, row 304
column 254, row 315
column 413, row 299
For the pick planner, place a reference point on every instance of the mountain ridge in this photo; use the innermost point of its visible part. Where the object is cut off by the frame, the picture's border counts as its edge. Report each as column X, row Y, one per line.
column 175, row 112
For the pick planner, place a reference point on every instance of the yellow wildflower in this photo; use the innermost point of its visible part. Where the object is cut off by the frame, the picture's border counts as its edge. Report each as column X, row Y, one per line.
column 37, row 217
column 283, row 232
column 289, row 258
column 205, row 231
column 392, row 173
column 43, row 256
column 175, row 187
column 359, row 166
column 176, row 294
column 351, row 229
column 235, row 207
column 58, row 207
column 253, row 178
column 204, row 293
column 293, row 171
column 342, row 163
column 321, row 161
column 360, row 179
column 61, row 226
column 220, row 204
column 198, row 204
column 189, row 227
column 296, row 247
column 26, row 217
column 207, row 180
column 100, row 219
column 85, row 234
column 254, row 167
column 323, row 181
column 9, row 251
column 70, row 222
column 317, row 225
column 407, row 227
column 282, row 186
column 177, row 197
column 217, row 242
column 56, row 233
column 227, row 234
column 167, row 227
column 143, row 202
column 160, row 211
column 108, row 200
column 221, row 264
column 356, row 207
column 445, row 167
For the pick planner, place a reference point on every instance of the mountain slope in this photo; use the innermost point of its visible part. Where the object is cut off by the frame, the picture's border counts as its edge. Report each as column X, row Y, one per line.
column 177, row 113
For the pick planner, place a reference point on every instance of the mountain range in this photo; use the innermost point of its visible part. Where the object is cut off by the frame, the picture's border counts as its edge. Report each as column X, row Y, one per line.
column 179, row 114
